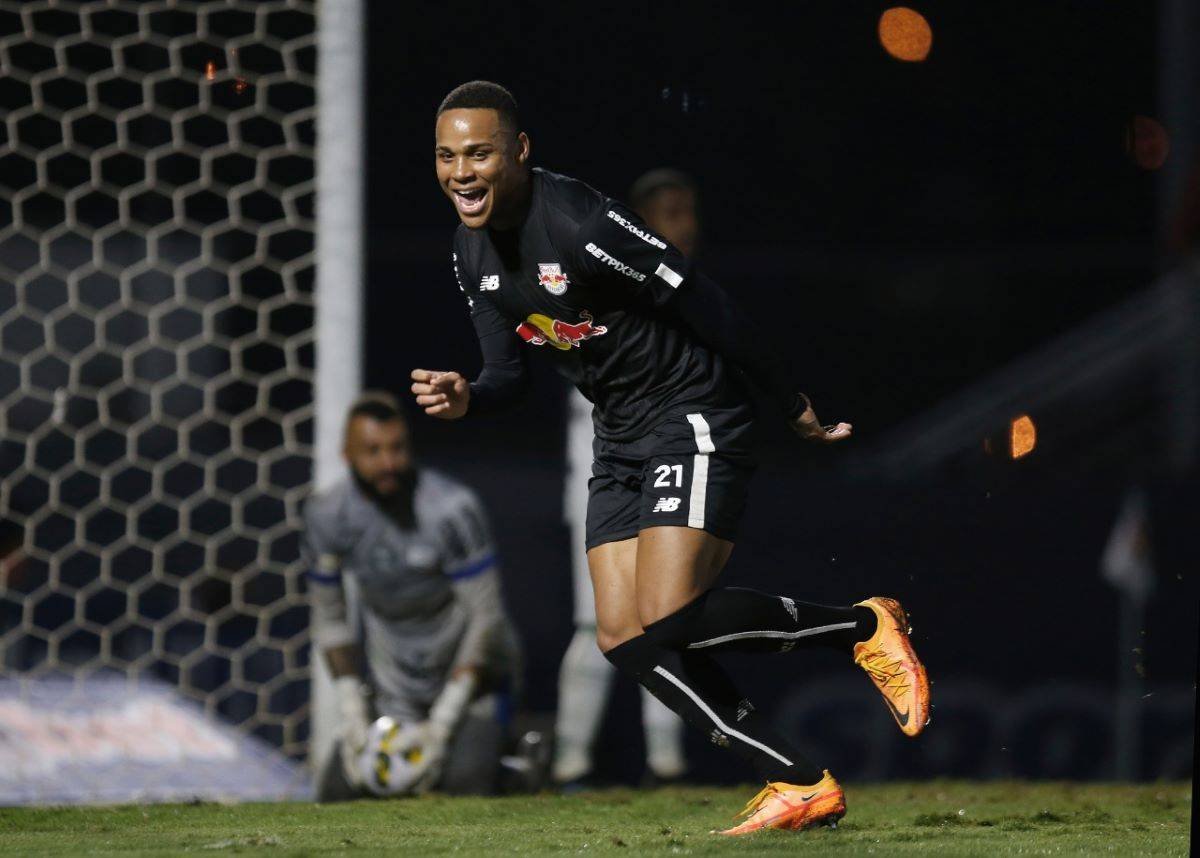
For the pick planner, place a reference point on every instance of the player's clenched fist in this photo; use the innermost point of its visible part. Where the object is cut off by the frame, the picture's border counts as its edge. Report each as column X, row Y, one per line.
column 441, row 394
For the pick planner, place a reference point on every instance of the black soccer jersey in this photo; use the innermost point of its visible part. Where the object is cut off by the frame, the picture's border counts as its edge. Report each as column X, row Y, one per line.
column 584, row 280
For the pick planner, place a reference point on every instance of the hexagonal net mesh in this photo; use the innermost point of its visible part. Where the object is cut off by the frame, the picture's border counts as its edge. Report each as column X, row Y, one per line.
column 156, row 349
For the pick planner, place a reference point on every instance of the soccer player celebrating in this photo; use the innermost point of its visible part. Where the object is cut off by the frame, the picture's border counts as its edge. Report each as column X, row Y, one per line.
column 439, row 649
column 547, row 262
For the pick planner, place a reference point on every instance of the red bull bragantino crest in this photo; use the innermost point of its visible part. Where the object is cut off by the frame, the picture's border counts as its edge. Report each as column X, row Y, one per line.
column 539, row 330
column 550, row 275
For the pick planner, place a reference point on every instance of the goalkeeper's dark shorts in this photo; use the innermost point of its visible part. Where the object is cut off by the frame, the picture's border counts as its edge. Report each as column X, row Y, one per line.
column 691, row 470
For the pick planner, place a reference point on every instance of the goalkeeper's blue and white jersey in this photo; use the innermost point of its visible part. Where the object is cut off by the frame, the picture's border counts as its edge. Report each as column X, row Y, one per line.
column 428, row 597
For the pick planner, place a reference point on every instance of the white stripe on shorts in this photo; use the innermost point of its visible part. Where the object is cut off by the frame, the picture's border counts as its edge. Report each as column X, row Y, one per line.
column 705, row 446
column 721, row 725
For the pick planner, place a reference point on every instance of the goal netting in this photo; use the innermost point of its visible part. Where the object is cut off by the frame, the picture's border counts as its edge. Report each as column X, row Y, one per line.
column 156, row 347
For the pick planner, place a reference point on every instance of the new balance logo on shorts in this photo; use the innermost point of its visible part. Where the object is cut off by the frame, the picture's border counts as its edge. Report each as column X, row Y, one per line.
column 489, row 283
column 666, row 505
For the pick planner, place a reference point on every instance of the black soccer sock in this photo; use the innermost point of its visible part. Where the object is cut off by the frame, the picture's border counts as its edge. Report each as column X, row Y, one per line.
column 697, row 689
column 744, row 620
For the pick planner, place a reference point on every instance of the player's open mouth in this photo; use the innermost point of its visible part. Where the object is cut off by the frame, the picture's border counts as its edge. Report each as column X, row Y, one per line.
column 470, row 201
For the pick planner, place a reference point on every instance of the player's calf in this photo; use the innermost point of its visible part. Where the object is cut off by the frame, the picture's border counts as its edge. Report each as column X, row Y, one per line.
column 739, row 619
column 697, row 689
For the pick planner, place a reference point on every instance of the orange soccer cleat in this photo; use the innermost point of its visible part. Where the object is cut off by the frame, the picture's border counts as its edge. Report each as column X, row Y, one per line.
column 889, row 659
column 792, row 807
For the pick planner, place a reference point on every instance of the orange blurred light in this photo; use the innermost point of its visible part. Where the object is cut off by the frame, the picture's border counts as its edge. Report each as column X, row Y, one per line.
column 1147, row 142
column 210, row 70
column 905, row 34
column 240, row 85
column 1022, row 436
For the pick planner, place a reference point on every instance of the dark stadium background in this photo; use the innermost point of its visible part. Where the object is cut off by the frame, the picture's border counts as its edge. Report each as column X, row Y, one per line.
column 907, row 230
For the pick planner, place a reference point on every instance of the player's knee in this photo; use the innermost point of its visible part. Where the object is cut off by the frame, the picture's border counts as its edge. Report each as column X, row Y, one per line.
column 662, row 609
column 669, row 627
column 635, row 657
column 650, row 611
column 608, row 639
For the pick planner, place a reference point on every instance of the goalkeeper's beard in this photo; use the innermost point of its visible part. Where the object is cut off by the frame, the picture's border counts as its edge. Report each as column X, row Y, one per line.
column 399, row 504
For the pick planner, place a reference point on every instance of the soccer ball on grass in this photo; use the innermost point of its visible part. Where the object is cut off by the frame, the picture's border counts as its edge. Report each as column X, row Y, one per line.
column 392, row 761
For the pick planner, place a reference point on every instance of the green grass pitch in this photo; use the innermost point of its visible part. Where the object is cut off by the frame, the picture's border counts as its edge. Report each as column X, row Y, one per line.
column 940, row 817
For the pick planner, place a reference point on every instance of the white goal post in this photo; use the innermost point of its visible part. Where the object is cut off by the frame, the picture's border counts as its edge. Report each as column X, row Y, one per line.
column 340, row 240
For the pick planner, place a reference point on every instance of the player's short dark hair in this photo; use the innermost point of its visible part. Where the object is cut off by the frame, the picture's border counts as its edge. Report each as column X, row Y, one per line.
column 376, row 404
column 483, row 94
column 659, row 179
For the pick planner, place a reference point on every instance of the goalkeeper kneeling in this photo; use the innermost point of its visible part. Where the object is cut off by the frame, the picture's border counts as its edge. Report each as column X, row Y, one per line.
column 407, row 613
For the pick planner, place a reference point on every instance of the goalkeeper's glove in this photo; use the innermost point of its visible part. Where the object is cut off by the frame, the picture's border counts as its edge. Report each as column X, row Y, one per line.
column 354, row 712
column 444, row 716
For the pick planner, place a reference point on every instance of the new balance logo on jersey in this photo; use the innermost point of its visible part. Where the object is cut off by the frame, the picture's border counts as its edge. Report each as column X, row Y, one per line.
column 600, row 254
column 489, row 283
column 666, row 505
column 640, row 233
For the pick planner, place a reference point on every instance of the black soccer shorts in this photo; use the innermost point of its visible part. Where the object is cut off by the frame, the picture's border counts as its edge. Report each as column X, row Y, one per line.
column 692, row 470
